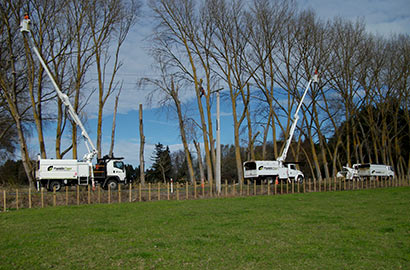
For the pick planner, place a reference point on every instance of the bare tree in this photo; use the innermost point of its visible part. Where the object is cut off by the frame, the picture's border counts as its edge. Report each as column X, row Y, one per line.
column 12, row 84
column 108, row 20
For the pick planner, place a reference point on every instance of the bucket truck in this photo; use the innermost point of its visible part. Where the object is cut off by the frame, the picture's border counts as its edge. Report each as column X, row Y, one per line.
column 367, row 170
column 270, row 170
column 56, row 173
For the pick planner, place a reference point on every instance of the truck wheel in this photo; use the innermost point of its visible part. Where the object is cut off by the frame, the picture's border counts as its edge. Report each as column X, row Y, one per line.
column 55, row 184
column 113, row 184
column 300, row 179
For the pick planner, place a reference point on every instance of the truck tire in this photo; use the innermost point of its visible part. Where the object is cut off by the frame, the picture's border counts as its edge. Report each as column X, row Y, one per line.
column 56, row 184
column 300, row 179
column 113, row 184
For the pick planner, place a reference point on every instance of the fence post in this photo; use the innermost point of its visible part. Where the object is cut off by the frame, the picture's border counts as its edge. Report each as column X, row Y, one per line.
column 42, row 197
column 186, row 191
column 293, row 186
column 88, row 194
column 268, row 188
column 109, row 194
column 168, row 191
column 226, row 188
column 203, row 187
column 159, row 191
column 17, row 199
column 195, row 189
column 233, row 188
column 240, row 187
column 210, row 189
column 254, row 187
column 130, row 192
column 29, row 198
column 177, row 188
column 139, row 192
column 149, row 191
column 119, row 193
column 66, row 195
column 247, row 187
column 78, row 195
column 54, row 196
column 4, row 201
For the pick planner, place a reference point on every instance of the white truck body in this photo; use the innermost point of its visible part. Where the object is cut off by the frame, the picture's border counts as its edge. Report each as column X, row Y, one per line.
column 367, row 170
column 374, row 170
column 62, row 169
column 271, row 170
column 57, row 173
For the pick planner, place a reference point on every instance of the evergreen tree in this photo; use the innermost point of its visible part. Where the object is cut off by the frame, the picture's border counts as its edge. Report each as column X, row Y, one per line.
column 161, row 169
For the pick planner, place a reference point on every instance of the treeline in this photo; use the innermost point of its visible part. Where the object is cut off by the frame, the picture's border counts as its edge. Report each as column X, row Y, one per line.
column 263, row 53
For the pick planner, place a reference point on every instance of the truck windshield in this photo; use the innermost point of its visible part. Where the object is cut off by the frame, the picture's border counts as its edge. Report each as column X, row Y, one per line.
column 119, row 165
column 250, row 166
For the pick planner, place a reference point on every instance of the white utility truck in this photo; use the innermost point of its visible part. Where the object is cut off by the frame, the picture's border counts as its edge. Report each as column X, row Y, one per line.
column 270, row 170
column 56, row 173
column 367, row 170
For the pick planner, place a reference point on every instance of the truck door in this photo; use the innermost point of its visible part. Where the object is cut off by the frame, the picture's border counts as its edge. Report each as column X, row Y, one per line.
column 292, row 170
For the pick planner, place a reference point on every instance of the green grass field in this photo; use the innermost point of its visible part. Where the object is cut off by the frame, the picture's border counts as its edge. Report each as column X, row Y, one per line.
column 367, row 229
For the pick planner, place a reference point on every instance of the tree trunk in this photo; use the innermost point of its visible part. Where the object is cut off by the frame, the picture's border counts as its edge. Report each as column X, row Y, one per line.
column 142, row 144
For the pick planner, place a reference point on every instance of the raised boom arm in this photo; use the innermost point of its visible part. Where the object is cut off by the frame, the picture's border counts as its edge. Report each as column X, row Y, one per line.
column 282, row 157
column 25, row 28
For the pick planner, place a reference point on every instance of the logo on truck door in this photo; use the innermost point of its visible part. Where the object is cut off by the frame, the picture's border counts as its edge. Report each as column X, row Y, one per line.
column 50, row 168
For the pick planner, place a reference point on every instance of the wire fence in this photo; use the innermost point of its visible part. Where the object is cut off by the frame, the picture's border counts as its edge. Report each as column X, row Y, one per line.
column 16, row 199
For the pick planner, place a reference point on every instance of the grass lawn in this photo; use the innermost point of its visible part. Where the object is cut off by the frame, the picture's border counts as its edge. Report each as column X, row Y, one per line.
column 363, row 229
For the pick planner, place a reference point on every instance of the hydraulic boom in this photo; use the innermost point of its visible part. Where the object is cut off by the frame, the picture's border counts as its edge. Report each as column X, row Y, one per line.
column 92, row 151
column 282, row 157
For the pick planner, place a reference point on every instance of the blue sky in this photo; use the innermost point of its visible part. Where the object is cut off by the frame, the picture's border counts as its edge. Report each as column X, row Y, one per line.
column 381, row 17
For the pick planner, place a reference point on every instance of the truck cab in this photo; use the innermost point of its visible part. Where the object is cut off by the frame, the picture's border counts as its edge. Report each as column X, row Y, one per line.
column 110, row 172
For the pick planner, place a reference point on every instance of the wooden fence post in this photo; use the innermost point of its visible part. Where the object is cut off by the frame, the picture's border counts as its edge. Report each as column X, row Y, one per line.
column 226, row 188
column 130, row 192
column 42, row 197
column 168, row 191
column 247, row 187
column 78, row 195
column 203, row 188
column 210, row 189
column 17, row 199
column 54, row 196
column 139, row 192
column 119, row 193
column 195, row 189
column 177, row 188
column 29, row 198
column 109, row 194
column 293, row 186
column 66, row 195
column 254, row 187
column 240, row 187
column 149, row 191
column 159, row 191
column 186, row 191
column 268, row 188
column 4, row 201
column 88, row 194
column 233, row 188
